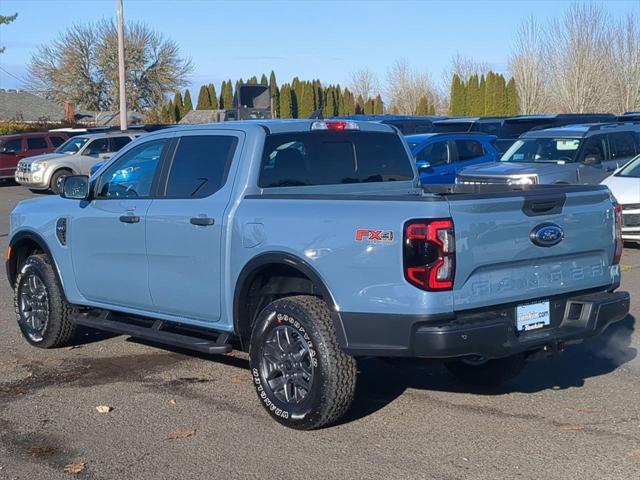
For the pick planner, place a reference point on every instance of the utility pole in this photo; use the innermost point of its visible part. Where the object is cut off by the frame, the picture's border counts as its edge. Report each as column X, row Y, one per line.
column 123, row 96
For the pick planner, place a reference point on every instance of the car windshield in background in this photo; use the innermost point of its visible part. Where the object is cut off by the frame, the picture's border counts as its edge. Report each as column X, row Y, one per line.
column 332, row 158
column 543, row 150
column 631, row 169
column 73, row 145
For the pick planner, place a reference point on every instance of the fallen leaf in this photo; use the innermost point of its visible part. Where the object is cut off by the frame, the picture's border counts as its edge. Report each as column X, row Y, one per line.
column 41, row 452
column 181, row 434
column 239, row 379
column 172, row 401
column 104, row 408
column 75, row 467
column 571, row 426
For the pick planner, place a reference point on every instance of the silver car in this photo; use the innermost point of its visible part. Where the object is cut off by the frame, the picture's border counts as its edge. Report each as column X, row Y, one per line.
column 582, row 154
column 74, row 157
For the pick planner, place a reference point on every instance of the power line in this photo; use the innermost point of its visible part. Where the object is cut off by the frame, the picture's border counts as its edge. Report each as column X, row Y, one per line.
column 12, row 75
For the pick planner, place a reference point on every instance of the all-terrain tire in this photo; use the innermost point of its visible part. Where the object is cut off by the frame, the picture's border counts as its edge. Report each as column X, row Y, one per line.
column 58, row 328
column 332, row 388
column 490, row 373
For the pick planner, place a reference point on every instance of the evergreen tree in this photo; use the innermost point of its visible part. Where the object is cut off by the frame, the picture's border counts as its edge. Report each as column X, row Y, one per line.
column 226, row 95
column 432, row 109
column 305, row 104
column 204, row 101
column 178, row 106
column 285, row 106
column 456, row 103
column 501, row 95
column 188, row 104
column 349, row 102
column 275, row 94
column 490, row 95
column 512, row 97
column 423, row 106
column 482, row 92
column 213, row 97
column 263, row 80
column 168, row 113
column 474, row 107
column 253, row 80
column 378, row 105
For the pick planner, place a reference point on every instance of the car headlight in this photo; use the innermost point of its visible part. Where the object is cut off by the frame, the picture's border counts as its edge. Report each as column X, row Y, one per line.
column 530, row 180
column 35, row 166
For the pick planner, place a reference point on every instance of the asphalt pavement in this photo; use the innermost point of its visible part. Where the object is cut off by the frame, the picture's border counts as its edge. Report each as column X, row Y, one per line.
column 181, row 415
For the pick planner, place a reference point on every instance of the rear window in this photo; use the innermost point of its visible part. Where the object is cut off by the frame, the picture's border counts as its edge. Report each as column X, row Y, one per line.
column 118, row 142
column 332, row 158
column 36, row 143
column 56, row 141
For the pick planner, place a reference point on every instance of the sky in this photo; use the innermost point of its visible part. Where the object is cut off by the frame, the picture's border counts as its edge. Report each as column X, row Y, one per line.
column 311, row 39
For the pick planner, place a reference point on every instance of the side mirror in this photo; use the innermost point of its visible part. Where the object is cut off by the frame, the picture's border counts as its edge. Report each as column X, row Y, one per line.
column 592, row 159
column 424, row 167
column 75, row 187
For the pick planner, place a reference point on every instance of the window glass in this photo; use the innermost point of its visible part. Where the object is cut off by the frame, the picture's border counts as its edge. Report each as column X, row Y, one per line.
column 632, row 169
column 131, row 176
column 331, row 158
column 622, row 145
column 36, row 143
column 12, row 146
column 96, row 147
column 436, row 154
column 200, row 165
column 72, row 146
column 534, row 150
column 56, row 141
column 594, row 146
column 469, row 149
column 118, row 142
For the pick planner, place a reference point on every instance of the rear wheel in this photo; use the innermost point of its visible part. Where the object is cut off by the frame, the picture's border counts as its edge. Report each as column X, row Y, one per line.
column 56, row 181
column 43, row 314
column 484, row 372
column 302, row 377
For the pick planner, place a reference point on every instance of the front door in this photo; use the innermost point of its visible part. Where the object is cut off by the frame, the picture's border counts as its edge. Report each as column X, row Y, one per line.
column 108, row 235
column 186, row 224
column 434, row 163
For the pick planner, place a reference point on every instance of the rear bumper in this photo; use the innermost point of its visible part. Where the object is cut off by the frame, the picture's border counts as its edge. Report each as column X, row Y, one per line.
column 490, row 333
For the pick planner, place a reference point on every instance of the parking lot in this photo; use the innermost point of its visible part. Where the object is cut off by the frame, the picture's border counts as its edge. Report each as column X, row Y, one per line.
column 177, row 415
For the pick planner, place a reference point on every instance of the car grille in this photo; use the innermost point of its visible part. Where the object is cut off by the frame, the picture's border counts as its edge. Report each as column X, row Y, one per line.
column 631, row 220
column 24, row 167
column 631, row 206
column 467, row 180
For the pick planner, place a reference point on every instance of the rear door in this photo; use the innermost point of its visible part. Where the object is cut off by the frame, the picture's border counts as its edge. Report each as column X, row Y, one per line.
column 11, row 151
column 37, row 146
column 590, row 172
column 435, row 162
column 185, row 226
column 498, row 262
column 470, row 152
column 622, row 148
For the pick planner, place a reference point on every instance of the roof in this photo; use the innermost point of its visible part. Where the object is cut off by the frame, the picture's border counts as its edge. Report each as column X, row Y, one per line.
column 28, row 134
column 388, row 117
column 201, row 116
column 110, row 133
column 470, row 120
column 580, row 130
column 106, row 118
column 419, row 137
column 27, row 107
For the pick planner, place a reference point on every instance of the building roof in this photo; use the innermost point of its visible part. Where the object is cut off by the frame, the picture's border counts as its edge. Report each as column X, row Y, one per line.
column 106, row 118
column 201, row 116
column 24, row 106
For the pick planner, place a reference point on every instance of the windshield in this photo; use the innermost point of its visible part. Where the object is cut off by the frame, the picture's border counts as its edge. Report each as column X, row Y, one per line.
column 543, row 150
column 631, row 169
column 73, row 145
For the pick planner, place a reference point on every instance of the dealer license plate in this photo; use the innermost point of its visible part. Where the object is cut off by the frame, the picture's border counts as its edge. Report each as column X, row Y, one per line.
column 532, row 316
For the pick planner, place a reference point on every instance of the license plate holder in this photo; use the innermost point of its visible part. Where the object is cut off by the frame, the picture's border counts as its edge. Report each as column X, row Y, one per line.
column 533, row 316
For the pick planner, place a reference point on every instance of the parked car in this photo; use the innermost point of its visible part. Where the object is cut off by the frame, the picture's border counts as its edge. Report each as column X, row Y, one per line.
column 309, row 244
column 14, row 148
column 571, row 154
column 625, row 186
column 75, row 156
column 407, row 124
column 439, row 156
column 629, row 117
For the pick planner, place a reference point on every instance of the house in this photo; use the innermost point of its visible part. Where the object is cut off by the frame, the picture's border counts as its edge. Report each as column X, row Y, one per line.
column 22, row 106
column 203, row 116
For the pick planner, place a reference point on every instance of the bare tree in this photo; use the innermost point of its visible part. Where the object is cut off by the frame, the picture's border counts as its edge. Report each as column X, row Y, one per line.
column 406, row 86
column 364, row 83
column 465, row 66
column 578, row 53
column 527, row 66
column 81, row 66
column 625, row 68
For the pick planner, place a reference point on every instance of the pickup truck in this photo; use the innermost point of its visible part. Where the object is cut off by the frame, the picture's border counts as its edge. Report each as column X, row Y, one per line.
column 309, row 244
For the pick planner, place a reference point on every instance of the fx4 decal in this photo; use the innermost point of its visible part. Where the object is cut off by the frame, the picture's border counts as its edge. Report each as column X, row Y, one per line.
column 363, row 234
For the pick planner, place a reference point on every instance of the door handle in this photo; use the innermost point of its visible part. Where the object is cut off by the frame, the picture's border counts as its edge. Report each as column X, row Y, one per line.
column 129, row 219
column 202, row 221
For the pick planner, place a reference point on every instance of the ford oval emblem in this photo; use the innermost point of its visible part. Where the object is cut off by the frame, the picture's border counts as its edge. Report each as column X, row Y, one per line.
column 546, row 235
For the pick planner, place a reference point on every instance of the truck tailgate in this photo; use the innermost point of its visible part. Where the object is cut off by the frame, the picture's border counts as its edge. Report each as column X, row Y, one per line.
column 498, row 260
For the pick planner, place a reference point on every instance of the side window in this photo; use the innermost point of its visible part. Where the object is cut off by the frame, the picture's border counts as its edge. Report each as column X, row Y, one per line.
column 96, row 147
column 469, row 149
column 118, row 142
column 436, row 154
column 622, row 146
column 36, row 143
column 12, row 146
column 56, row 141
column 594, row 147
column 131, row 176
column 200, row 165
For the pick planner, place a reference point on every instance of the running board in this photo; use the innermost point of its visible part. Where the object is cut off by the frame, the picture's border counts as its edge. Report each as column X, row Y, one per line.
column 154, row 333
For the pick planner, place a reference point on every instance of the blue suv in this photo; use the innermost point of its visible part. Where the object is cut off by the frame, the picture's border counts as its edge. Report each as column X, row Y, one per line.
column 439, row 156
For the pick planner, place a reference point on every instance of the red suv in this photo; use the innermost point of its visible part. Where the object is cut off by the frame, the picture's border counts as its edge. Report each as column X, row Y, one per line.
column 13, row 148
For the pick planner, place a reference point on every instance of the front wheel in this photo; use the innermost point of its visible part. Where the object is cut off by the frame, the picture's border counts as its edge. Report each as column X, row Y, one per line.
column 302, row 377
column 56, row 181
column 43, row 314
column 484, row 372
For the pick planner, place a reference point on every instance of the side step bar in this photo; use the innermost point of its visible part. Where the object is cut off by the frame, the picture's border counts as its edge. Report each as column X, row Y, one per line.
column 154, row 333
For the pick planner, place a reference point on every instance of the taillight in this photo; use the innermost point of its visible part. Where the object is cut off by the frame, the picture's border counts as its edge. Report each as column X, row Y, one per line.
column 430, row 254
column 619, row 243
column 336, row 125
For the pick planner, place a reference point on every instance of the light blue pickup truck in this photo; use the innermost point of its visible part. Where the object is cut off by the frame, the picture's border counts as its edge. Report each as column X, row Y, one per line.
column 309, row 244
